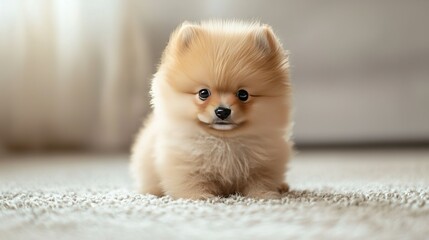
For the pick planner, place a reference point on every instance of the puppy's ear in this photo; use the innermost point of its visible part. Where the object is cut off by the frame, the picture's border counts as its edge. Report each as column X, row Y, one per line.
column 187, row 33
column 266, row 40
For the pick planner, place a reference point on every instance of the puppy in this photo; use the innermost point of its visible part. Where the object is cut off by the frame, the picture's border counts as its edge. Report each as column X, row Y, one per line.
column 221, row 103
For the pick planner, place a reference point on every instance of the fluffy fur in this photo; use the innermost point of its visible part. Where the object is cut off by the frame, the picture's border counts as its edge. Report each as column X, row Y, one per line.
column 183, row 150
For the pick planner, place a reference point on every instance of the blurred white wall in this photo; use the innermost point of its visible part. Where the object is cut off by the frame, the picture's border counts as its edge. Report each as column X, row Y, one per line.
column 72, row 73
column 75, row 72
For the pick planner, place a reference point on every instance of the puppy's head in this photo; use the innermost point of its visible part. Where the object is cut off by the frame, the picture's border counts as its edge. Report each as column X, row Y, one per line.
column 226, row 77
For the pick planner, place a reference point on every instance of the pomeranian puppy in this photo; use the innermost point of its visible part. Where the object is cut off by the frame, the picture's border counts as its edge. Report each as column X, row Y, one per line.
column 221, row 103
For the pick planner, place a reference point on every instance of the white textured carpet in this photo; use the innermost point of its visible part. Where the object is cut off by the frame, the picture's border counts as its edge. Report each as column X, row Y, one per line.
column 335, row 195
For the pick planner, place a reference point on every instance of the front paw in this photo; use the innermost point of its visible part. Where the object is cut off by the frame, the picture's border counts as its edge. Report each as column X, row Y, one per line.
column 263, row 194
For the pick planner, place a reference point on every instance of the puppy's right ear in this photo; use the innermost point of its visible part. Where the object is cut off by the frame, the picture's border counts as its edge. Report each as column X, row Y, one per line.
column 187, row 33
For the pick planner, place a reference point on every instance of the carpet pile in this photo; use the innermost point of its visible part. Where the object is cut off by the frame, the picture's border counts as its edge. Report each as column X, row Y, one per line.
column 375, row 194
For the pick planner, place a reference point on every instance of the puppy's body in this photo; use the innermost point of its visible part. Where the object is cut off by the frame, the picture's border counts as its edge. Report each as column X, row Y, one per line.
column 221, row 101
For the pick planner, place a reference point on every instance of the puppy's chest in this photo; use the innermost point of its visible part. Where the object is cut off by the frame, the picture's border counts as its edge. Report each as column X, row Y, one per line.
column 230, row 159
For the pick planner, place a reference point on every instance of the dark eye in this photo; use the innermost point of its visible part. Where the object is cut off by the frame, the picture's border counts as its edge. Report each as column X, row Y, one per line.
column 243, row 95
column 204, row 94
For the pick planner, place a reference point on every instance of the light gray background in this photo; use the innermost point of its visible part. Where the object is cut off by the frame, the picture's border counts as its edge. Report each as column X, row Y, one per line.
column 76, row 73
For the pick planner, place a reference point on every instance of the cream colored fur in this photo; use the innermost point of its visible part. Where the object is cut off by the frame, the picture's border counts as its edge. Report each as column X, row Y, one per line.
column 179, row 153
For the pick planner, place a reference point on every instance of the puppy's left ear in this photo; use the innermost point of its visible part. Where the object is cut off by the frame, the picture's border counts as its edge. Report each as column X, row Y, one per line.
column 266, row 39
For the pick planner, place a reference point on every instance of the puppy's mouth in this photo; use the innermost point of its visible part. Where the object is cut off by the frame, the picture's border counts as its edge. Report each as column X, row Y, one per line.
column 223, row 125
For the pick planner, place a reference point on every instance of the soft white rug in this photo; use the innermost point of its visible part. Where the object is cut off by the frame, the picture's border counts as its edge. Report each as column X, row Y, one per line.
column 335, row 195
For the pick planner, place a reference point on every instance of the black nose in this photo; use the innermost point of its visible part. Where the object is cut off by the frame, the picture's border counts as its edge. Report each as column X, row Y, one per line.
column 222, row 112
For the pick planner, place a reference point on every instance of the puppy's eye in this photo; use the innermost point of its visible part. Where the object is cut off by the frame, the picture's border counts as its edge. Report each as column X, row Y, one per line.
column 243, row 95
column 203, row 94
